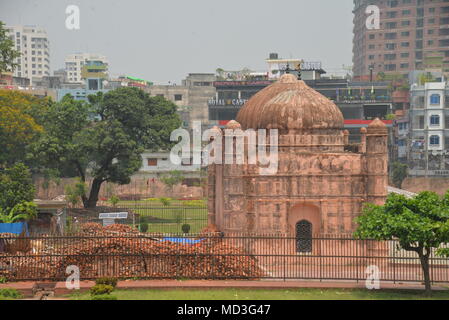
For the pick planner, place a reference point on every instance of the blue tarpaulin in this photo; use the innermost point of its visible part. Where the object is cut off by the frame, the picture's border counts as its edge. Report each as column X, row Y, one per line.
column 183, row 240
column 15, row 228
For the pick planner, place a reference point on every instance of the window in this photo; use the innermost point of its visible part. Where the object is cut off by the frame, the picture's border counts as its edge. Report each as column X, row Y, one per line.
column 152, row 162
column 435, row 99
column 434, row 140
column 178, row 97
column 304, row 237
column 434, row 120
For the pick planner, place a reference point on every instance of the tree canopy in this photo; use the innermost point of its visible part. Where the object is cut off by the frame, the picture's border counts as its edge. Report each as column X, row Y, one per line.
column 8, row 53
column 21, row 117
column 105, row 138
column 420, row 224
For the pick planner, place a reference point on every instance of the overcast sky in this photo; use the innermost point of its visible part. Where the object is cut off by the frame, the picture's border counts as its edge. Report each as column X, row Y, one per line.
column 164, row 40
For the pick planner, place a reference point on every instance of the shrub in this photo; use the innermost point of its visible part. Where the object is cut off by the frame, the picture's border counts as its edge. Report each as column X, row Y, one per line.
column 114, row 200
column 165, row 201
column 144, row 227
column 104, row 297
column 10, row 293
column 101, row 289
column 3, row 280
column 185, row 228
column 107, row 281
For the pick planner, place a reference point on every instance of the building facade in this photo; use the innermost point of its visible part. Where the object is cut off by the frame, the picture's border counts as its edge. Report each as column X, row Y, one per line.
column 413, row 35
column 33, row 44
column 79, row 66
column 191, row 97
column 428, row 130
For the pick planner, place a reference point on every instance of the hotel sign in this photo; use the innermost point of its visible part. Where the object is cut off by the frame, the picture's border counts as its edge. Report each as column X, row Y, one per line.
column 309, row 65
column 241, row 83
column 216, row 103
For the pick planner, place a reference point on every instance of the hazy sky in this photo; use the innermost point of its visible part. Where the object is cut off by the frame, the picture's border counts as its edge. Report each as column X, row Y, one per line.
column 164, row 40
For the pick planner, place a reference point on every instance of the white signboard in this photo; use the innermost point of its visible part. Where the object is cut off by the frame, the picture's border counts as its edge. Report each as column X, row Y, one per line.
column 109, row 217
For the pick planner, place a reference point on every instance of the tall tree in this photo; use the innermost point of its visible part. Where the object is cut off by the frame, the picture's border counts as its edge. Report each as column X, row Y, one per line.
column 420, row 224
column 8, row 53
column 105, row 138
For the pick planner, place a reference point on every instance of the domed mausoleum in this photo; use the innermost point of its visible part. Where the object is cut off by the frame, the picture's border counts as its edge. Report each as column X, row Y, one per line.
column 321, row 183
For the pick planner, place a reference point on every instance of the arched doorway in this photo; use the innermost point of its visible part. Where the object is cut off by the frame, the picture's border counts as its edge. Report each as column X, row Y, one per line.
column 304, row 236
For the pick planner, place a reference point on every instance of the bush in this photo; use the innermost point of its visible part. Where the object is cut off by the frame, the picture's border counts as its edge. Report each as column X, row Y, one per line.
column 101, row 289
column 10, row 294
column 3, row 280
column 114, row 200
column 185, row 228
column 107, row 281
column 144, row 227
column 104, row 297
column 165, row 201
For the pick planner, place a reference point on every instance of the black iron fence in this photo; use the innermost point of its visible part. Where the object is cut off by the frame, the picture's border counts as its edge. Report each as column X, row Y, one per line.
column 211, row 256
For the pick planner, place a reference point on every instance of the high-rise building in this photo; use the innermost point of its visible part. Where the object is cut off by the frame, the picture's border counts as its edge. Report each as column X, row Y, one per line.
column 32, row 42
column 412, row 35
column 78, row 66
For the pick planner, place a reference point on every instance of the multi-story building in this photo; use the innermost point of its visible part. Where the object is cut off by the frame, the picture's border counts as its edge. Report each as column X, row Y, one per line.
column 412, row 35
column 191, row 97
column 32, row 42
column 428, row 142
column 78, row 65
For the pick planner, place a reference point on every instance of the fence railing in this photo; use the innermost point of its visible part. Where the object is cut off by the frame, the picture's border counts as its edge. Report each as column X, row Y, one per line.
column 211, row 256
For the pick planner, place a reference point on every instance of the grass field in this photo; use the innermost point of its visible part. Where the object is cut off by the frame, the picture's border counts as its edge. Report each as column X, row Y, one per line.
column 169, row 218
column 299, row 294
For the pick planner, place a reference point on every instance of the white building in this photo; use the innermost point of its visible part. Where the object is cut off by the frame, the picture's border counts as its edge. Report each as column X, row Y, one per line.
column 74, row 65
column 32, row 42
column 156, row 164
column 429, row 129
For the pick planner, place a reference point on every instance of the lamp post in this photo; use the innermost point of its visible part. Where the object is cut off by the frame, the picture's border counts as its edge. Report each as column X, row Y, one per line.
column 371, row 71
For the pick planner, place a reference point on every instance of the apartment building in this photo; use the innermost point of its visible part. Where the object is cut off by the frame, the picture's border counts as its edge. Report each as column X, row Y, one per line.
column 79, row 64
column 191, row 97
column 413, row 35
column 32, row 42
column 428, row 142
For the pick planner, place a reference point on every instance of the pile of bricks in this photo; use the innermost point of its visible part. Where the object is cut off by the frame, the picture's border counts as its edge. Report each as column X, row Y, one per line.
column 120, row 251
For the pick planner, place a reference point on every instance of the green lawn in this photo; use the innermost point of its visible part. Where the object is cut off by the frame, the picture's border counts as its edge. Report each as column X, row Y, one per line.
column 169, row 219
column 298, row 294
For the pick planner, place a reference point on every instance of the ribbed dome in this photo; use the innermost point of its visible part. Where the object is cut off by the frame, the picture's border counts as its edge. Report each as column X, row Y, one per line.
column 290, row 104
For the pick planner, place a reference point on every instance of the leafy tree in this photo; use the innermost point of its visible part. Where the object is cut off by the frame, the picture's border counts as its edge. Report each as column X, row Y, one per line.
column 21, row 117
column 16, row 194
column 399, row 174
column 105, row 138
column 420, row 224
column 8, row 54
